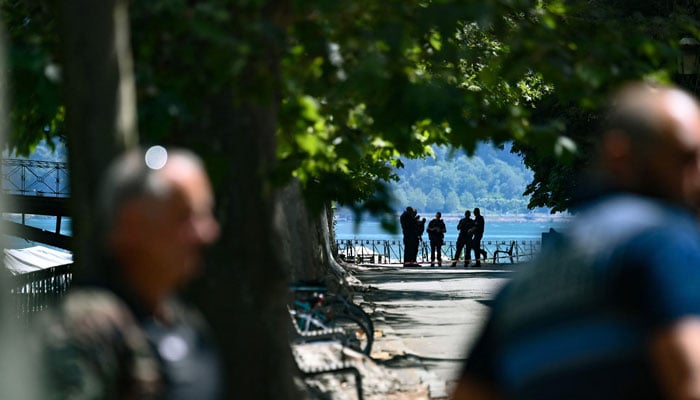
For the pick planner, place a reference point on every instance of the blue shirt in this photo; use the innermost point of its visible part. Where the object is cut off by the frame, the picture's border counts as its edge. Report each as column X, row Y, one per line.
column 576, row 323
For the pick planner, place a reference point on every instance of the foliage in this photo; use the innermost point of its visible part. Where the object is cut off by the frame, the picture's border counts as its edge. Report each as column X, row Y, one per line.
column 591, row 48
column 493, row 179
column 36, row 110
column 361, row 86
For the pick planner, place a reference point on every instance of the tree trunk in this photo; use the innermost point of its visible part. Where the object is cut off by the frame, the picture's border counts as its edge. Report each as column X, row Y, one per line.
column 100, row 105
column 244, row 292
column 300, row 239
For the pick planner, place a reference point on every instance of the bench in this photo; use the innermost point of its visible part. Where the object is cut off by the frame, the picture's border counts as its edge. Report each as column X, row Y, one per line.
column 508, row 252
column 315, row 334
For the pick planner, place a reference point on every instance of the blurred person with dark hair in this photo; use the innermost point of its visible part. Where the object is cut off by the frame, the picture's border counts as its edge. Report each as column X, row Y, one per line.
column 125, row 335
column 612, row 311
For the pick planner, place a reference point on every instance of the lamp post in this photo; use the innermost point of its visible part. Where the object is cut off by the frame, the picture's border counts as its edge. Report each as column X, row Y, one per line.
column 689, row 63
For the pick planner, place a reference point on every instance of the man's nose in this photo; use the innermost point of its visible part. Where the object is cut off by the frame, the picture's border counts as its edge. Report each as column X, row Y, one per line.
column 203, row 229
column 208, row 230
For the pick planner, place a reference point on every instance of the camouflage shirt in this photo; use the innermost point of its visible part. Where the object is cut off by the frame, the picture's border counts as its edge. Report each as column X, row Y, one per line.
column 94, row 346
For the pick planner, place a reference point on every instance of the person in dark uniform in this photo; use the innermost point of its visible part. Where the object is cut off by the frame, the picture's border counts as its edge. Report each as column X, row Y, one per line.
column 420, row 229
column 464, row 239
column 476, row 238
column 436, row 234
column 125, row 334
column 410, row 235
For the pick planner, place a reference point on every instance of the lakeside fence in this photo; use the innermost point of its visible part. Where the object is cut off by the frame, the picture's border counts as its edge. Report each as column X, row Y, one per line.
column 35, row 291
column 372, row 251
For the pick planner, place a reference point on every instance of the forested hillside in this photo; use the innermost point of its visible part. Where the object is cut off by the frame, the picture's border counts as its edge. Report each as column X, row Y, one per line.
column 493, row 179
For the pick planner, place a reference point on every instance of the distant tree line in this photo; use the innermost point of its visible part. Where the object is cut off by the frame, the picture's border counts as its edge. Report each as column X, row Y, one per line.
column 494, row 179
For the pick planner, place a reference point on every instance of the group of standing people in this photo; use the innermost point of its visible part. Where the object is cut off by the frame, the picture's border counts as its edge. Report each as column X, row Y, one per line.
column 470, row 230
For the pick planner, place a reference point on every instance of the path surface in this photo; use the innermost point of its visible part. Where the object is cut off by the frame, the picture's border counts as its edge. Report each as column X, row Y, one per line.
column 429, row 317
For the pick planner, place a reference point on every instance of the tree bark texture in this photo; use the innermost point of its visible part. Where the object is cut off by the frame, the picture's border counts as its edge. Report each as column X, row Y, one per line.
column 300, row 242
column 100, row 105
column 244, row 291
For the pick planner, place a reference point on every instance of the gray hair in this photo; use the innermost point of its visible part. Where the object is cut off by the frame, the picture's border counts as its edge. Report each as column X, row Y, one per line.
column 130, row 176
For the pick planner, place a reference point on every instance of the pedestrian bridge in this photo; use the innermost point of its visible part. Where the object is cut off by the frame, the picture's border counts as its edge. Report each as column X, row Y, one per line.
column 36, row 187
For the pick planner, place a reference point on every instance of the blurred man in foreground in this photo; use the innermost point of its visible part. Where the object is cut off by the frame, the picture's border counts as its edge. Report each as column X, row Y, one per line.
column 125, row 335
column 613, row 310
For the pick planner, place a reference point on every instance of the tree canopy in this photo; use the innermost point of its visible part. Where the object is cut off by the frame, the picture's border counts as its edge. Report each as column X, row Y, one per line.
column 363, row 82
column 602, row 44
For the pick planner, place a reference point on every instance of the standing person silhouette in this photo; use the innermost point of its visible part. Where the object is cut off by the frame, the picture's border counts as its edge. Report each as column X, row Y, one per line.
column 436, row 234
column 478, row 231
column 420, row 229
column 126, row 335
column 612, row 310
column 408, row 229
column 464, row 239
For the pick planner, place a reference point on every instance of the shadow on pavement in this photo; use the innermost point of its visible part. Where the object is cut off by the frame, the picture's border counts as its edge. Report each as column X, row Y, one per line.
column 374, row 295
column 370, row 276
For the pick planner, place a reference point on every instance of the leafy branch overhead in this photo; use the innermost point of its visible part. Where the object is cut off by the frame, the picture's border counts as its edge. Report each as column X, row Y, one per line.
column 453, row 73
column 359, row 84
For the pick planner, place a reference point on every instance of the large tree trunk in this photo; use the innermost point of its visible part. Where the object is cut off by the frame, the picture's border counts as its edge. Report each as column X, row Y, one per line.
column 300, row 237
column 100, row 104
column 245, row 289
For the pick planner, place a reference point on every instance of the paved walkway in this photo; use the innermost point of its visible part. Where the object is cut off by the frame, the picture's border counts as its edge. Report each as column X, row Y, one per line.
column 431, row 316
column 425, row 319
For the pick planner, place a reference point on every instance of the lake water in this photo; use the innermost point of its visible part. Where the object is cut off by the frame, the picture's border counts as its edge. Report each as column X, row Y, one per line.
column 496, row 230
column 47, row 223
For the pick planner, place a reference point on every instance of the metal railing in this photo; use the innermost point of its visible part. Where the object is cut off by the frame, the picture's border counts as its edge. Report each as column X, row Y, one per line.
column 35, row 291
column 35, row 178
column 369, row 251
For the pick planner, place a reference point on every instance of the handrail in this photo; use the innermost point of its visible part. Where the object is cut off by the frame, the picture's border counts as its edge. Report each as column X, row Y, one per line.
column 390, row 251
column 35, row 178
column 36, row 291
